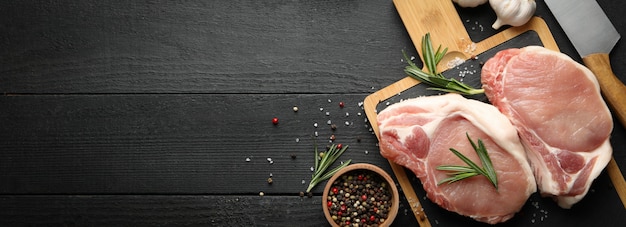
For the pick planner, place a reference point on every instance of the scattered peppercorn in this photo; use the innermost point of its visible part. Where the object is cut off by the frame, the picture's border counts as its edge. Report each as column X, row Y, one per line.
column 341, row 104
column 333, row 127
column 301, row 194
column 275, row 121
column 270, row 181
column 310, row 195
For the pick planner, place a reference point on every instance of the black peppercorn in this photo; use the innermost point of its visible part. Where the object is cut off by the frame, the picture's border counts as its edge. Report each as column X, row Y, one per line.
column 359, row 197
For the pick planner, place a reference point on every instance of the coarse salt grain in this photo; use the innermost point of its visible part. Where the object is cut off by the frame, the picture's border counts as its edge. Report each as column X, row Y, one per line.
column 455, row 62
column 247, row 159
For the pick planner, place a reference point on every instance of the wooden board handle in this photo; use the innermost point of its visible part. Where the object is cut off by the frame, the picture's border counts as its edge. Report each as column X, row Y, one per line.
column 613, row 90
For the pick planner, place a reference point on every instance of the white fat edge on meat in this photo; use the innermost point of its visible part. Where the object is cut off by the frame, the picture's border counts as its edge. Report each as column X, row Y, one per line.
column 601, row 162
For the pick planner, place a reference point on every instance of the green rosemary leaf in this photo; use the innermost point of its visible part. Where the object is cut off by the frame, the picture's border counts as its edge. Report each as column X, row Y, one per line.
column 454, row 168
column 323, row 163
column 487, row 165
column 458, row 177
column 468, row 162
column 463, row 172
column 432, row 77
column 439, row 55
column 428, row 54
column 335, row 170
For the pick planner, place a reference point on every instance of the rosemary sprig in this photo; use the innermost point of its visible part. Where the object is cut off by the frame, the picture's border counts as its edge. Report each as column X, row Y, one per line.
column 326, row 161
column 433, row 78
column 458, row 173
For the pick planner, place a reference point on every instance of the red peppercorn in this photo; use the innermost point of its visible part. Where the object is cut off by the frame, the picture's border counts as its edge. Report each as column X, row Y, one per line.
column 343, row 207
column 347, row 222
column 372, row 218
column 275, row 120
column 335, row 191
column 339, row 146
column 339, row 213
column 363, row 220
column 330, row 203
column 375, row 209
column 360, row 177
column 341, row 104
column 364, row 197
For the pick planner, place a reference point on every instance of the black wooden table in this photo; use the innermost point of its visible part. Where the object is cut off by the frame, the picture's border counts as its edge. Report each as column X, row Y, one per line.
column 160, row 112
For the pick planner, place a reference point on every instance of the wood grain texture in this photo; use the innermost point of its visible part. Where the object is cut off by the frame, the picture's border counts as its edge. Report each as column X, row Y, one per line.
column 173, row 143
column 142, row 113
column 160, row 210
column 199, row 47
column 441, row 21
column 613, row 90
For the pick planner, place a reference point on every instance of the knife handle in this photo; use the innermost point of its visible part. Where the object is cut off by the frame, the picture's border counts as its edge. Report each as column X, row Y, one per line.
column 612, row 88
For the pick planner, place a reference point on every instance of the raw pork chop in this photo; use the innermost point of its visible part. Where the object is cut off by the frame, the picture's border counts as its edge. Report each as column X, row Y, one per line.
column 556, row 106
column 418, row 133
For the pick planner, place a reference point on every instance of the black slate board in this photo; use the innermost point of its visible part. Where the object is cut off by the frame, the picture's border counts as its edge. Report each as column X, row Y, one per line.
column 601, row 206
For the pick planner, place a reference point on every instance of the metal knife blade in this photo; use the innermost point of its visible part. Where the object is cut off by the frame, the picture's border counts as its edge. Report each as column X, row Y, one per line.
column 585, row 24
column 593, row 36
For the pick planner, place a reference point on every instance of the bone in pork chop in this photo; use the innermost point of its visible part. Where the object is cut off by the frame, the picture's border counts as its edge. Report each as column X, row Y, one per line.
column 418, row 133
column 556, row 106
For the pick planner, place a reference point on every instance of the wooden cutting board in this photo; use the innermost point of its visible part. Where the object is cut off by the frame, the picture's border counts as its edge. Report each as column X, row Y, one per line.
column 440, row 19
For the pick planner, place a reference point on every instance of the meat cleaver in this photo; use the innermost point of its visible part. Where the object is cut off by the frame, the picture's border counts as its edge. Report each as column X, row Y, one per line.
column 593, row 36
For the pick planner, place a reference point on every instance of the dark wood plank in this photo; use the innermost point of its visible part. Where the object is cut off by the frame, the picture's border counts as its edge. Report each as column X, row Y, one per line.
column 172, row 143
column 219, row 46
column 172, row 210
column 200, row 47
column 158, row 210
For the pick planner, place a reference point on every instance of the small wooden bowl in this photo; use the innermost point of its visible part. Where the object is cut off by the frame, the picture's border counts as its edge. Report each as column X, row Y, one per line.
column 395, row 198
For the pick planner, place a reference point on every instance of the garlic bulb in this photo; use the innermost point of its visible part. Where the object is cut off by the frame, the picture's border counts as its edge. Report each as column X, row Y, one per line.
column 470, row 3
column 512, row 12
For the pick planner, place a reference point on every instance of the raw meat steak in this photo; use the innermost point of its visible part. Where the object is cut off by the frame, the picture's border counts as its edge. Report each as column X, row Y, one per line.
column 418, row 133
column 556, row 106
